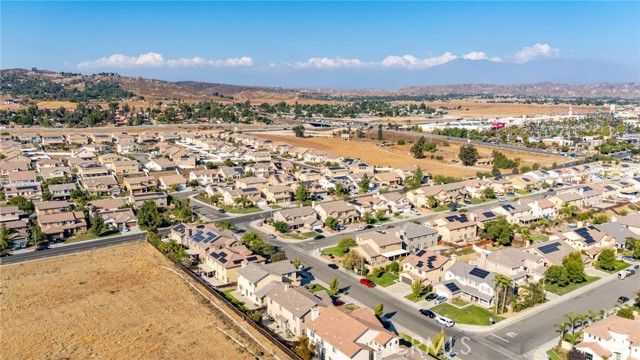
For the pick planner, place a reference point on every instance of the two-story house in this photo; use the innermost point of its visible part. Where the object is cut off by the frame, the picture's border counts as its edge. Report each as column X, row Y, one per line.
column 293, row 307
column 378, row 249
column 338, row 209
column 255, row 280
column 468, row 282
column 520, row 266
column 458, row 228
column 424, row 266
column 298, row 218
column 614, row 338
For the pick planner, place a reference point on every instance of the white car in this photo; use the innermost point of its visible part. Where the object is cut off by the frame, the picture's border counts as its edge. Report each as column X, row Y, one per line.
column 378, row 225
column 415, row 212
column 125, row 229
column 360, row 228
column 445, row 321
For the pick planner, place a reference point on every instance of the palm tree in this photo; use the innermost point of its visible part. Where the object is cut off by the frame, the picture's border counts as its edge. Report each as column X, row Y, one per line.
column 568, row 211
column 592, row 315
column 562, row 328
column 504, row 283
column 572, row 320
column 432, row 202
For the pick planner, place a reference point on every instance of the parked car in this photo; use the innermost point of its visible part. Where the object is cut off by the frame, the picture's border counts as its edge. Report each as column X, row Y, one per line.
column 467, row 201
column 378, row 225
column 4, row 254
column 550, row 190
column 440, row 300
column 42, row 247
column 319, row 231
column 337, row 302
column 511, row 193
column 623, row 299
column 125, row 229
column 367, row 282
column 431, row 297
column 369, row 227
column 333, row 266
column 271, row 236
column 445, row 321
column 360, row 228
column 222, row 211
column 415, row 212
column 428, row 313
column 503, row 199
column 636, row 267
column 630, row 272
column 622, row 274
column 628, row 259
column 318, row 237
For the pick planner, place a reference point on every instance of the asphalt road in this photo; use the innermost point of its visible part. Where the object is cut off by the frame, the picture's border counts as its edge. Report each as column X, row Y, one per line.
column 73, row 248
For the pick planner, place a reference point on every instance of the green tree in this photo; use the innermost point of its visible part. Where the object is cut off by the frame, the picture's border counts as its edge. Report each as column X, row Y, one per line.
column 607, row 260
column 304, row 349
column 416, row 180
column 193, row 183
column 347, row 243
column 417, row 287
column 379, row 310
column 149, row 216
column 417, row 149
column 380, row 138
column 499, row 231
column 5, row 240
column 334, row 285
column 299, row 131
column 557, row 274
column 209, row 165
column 575, row 267
column 437, row 345
column 331, row 222
column 468, row 155
column 281, row 226
column 572, row 321
column 302, row 193
column 226, row 225
column 36, row 237
column 432, row 201
column 489, row 193
column 98, row 226
column 504, row 284
column 363, row 185
column 569, row 211
column 495, row 171
column 25, row 205
column 600, row 219
column 296, row 263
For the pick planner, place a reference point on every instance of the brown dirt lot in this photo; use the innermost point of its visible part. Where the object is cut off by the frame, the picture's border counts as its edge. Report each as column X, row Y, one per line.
column 113, row 303
column 398, row 155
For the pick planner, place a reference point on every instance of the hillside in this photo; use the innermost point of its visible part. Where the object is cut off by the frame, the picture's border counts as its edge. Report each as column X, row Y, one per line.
column 47, row 85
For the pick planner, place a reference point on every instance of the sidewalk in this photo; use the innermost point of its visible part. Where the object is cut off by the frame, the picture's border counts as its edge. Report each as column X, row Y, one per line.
column 541, row 352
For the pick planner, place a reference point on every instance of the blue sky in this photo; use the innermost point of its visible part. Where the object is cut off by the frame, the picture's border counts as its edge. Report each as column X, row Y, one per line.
column 278, row 43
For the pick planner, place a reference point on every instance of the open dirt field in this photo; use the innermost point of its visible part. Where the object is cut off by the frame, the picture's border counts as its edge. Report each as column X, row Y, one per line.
column 398, row 155
column 113, row 303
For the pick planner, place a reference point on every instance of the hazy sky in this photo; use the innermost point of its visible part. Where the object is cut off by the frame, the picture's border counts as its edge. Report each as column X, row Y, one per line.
column 282, row 42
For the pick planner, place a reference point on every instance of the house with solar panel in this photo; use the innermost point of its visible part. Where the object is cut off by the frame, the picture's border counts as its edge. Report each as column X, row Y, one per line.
column 203, row 239
column 457, row 228
column 468, row 282
column 425, row 266
column 588, row 239
column 518, row 265
column 590, row 196
column 225, row 262
column 378, row 249
column 516, row 213
column 482, row 216
column 552, row 251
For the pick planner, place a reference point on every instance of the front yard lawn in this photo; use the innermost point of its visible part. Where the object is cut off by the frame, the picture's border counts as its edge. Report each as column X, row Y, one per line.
column 275, row 207
column 441, row 208
column 465, row 252
column 416, row 298
column 90, row 236
column 554, row 288
column 473, row 315
column 335, row 251
column 540, row 237
column 316, row 287
column 385, row 280
column 620, row 265
column 248, row 210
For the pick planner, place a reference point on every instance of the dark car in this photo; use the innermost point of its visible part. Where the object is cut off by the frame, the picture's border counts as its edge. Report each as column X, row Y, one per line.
column 319, row 231
column 333, row 266
column 623, row 299
column 337, row 302
column 630, row 272
column 428, row 313
column 550, row 190
column 369, row 226
column 318, row 237
column 636, row 266
column 41, row 247
column 4, row 254
column 368, row 283
column 431, row 297
column 222, row 211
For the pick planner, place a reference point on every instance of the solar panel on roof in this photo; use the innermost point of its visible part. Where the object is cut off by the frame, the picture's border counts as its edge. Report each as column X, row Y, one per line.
column 549, row 248
column 585, row 235
column 488, row 214
column 452, row 287
column 586, row 188
column 479, row 273
column 508, row 207
column 610, row 188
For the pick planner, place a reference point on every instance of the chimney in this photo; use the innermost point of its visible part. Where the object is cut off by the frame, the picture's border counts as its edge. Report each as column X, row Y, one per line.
column 315, row 312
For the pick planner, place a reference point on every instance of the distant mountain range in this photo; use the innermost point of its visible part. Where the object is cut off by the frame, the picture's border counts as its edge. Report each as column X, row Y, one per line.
column 463, row 77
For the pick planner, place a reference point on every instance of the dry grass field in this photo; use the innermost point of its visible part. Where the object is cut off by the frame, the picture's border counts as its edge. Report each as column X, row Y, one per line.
column 113, row 303
column 398, row 155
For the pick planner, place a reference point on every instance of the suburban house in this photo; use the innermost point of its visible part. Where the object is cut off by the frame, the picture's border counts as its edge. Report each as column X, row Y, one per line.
column 631, row 222
column 160, row 164
column 291, row 307
column 105, row 205
column 443, row 194
column 62, row 225
column 541, row 208
column 516, row 213
column 482, row 216
column 417, row 237
column 614, row 338
column 253, row 195
column 51, row 207
column 425, row 266
column 551, row 251
column 338, row 209
column 172, row 182
column 140, row 184
column 119, row 219
column 225, row 262
column 396, row 201
column 252, row 182
column 520, row 266
column 204, row 177
column 61, row 173
column 469, row 283
column 457, row 228
column 101, row 185
column 255, row 280
column 277, row 194
column 588, row 239
column 339, row 335
column 160, row 198
column 125, row 167
column 569, row 198
column 378, row 249
column 9, row 213
column 298, row 218
column 30, row 191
